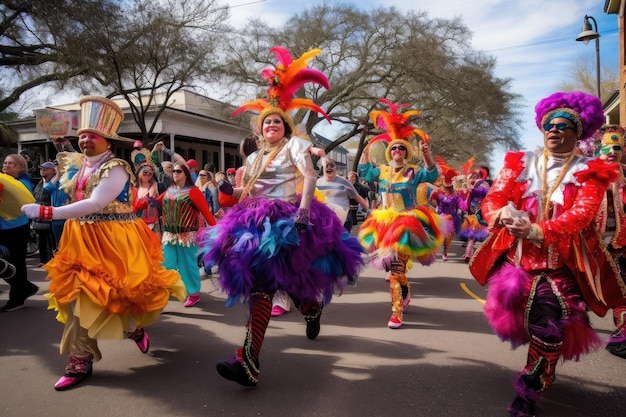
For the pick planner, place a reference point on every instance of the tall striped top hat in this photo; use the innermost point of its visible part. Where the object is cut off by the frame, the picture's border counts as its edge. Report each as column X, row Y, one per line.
column 102, row 116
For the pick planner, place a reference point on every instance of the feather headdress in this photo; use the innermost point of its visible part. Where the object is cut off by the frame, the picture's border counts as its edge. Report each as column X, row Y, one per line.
column 398, row 129
column 466, row 168
column 284, row 80
column 141, row 158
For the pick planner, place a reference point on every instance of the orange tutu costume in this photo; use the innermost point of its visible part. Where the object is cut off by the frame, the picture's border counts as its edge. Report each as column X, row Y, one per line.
column 415, row 233
column 108, row 270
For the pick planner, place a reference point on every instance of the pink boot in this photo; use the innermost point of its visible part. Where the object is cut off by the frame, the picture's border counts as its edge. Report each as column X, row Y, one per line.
column 192, row 300
column 77, row 370
column 140, row 336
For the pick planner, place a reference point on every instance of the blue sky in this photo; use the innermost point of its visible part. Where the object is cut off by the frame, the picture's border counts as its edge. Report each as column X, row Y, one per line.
column 533, row 40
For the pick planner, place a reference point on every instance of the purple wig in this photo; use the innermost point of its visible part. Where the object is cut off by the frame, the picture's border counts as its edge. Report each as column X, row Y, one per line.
column 585, row 109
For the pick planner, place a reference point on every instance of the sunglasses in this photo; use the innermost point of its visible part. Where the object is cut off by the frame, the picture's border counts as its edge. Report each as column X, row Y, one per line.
column 202, row 175
column 560, row 126
column 398, row 148
column 177, row 171
column 607, row 149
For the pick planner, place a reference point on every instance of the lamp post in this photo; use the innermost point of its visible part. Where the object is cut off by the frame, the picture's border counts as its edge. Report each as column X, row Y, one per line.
column 585, row 36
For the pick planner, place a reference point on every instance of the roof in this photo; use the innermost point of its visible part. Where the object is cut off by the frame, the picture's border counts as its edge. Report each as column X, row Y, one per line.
column 322, row 142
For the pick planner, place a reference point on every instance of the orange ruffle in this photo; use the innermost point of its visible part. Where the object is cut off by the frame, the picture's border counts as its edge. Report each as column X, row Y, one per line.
column 111, row 267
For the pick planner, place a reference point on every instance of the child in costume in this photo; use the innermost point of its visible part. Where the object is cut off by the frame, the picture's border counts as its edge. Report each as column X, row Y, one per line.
column 277, row 237
column 398, row 230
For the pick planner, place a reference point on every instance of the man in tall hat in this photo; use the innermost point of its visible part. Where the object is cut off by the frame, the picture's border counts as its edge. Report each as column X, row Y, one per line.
column 106, row 280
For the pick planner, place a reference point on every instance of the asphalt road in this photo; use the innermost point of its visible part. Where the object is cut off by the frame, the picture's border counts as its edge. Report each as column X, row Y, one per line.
column 444, row 361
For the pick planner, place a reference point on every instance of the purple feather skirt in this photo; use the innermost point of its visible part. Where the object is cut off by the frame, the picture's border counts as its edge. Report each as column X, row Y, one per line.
column 507, row 301
column 472, row 229
column 257, row 248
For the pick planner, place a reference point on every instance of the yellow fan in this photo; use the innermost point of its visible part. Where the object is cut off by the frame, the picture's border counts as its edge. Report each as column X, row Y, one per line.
column 13, row 195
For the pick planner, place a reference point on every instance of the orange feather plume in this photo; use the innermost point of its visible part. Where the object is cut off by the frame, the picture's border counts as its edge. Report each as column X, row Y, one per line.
column 396, row 122
column 467, row 166
column 284, row 80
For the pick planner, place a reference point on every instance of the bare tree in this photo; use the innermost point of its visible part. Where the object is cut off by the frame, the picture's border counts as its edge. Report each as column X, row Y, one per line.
column 144, row 50
column 404, row 57
column 156, row 49
column 583, row 77
column 32, row 45
column 8, row 135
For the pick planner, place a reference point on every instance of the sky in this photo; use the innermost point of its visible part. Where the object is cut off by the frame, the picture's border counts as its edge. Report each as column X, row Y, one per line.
column 533, row 41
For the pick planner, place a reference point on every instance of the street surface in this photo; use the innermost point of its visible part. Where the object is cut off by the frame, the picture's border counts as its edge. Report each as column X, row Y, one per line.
column 444, row 361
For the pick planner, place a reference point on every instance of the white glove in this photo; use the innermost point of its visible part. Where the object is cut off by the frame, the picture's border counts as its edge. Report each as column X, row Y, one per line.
column 31, row 210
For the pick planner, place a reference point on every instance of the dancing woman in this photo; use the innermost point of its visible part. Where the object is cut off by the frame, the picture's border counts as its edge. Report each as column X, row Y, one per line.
column 399, row 230
column 278, row 238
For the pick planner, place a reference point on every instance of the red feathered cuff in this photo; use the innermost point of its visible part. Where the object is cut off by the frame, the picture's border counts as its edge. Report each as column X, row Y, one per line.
column 45, row 212
column 598, row 170
column 514, row 161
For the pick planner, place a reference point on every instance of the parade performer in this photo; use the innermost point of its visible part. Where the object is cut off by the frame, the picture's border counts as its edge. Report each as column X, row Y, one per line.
column 474, row 228
column 611, row 221
column 106, row 280
column 448, row 201
column 277, row 237
column 543, row 261
column 398, row 230
column 185, row 211
column 147, row 187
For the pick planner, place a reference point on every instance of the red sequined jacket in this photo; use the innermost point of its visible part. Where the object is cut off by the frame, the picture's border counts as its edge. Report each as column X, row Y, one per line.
column 618, row 190
column 569, row 240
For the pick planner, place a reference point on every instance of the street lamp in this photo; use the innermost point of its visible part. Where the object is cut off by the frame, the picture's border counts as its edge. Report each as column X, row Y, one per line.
column 585, row 36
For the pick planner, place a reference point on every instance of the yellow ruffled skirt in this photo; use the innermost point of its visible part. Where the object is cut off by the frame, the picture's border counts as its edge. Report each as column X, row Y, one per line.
column 108, row 272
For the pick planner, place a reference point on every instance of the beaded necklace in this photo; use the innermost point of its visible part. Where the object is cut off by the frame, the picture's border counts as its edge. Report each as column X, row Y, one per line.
column 257, row 170
column 547, row 193
column 85, row 172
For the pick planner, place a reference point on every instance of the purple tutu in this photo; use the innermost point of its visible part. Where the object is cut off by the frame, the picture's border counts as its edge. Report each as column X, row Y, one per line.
column 257, row 248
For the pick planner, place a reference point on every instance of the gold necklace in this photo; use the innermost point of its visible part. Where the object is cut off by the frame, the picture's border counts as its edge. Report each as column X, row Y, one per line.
column 257, row 170
column 547, row 193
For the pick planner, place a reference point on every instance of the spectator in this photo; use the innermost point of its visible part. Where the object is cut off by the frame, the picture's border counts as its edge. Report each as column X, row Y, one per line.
column 165, row 178
column 58, row 198
column 362, row 190
column 230, row 176
column 338, row 191
column 47, row 243
column 207, row 185
column 193, row 169
column 14, row 237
